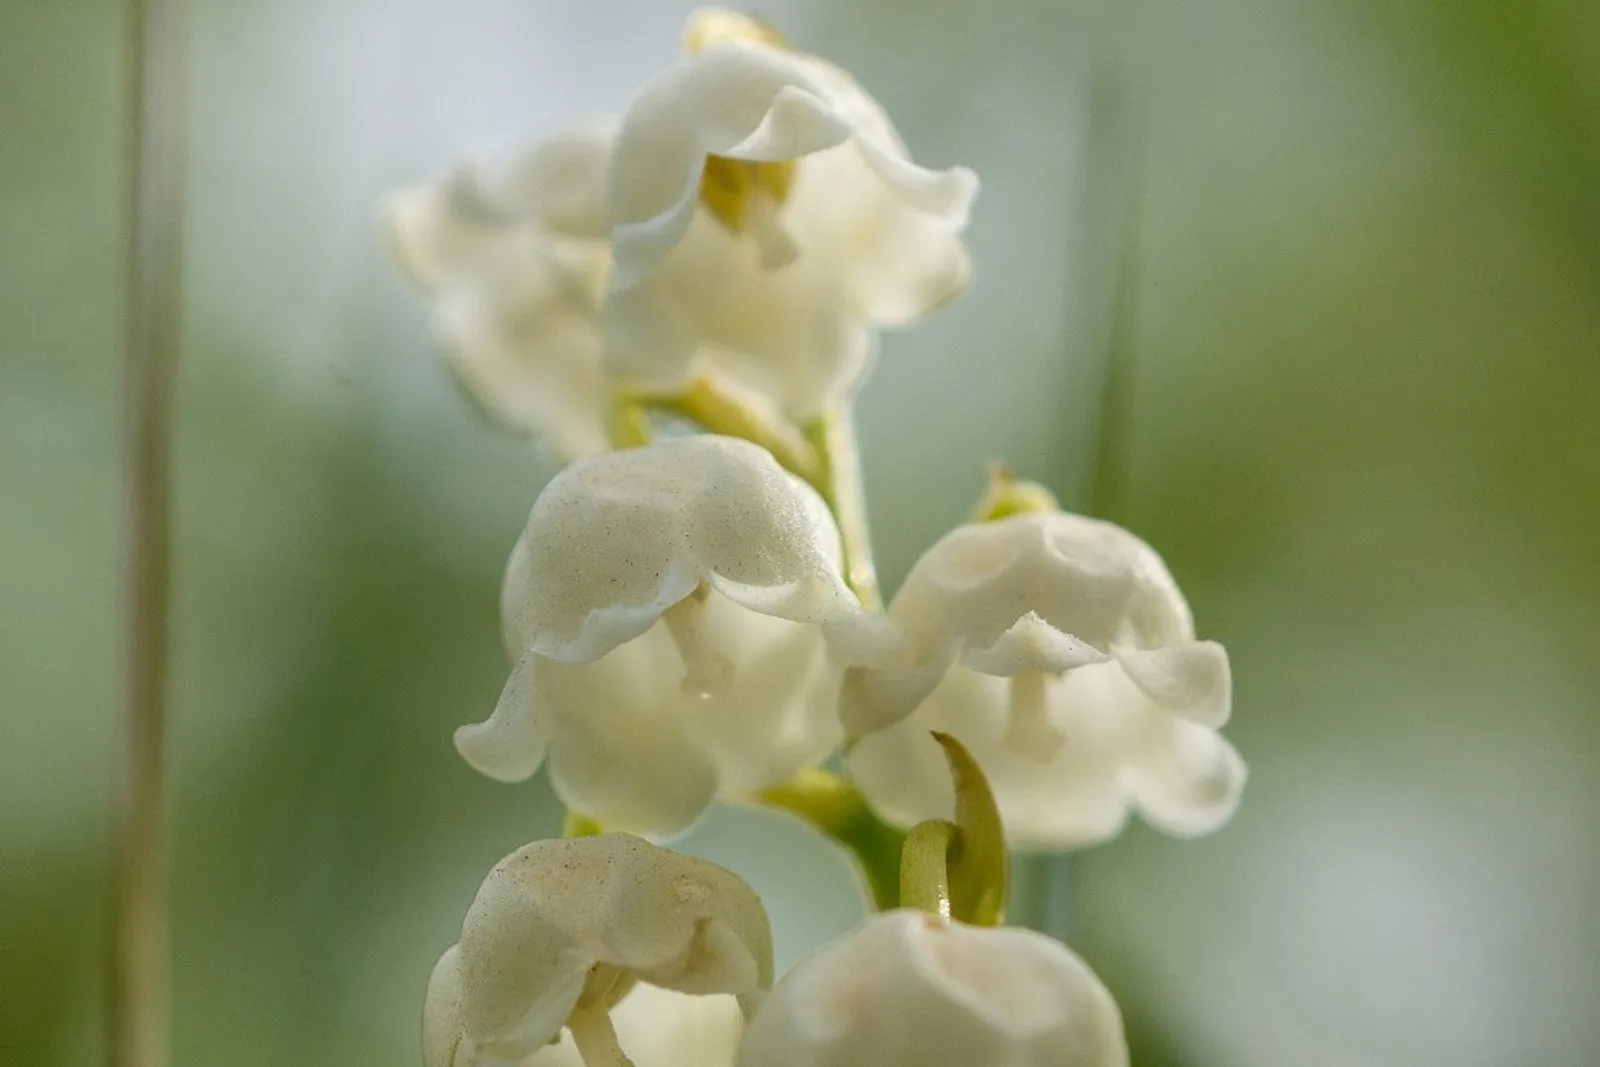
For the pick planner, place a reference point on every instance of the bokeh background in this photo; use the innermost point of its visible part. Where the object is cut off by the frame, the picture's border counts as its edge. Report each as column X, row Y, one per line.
column 1307, row 292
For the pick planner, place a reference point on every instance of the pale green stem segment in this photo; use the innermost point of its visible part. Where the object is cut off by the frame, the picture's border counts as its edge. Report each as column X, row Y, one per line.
column 958, row 870
column 833, row 805
column 1006, row 496
column 925, row 867
column 138, row 1012
column 716, row 410
column 576, row 825
column 626, row 424
column 833, row 437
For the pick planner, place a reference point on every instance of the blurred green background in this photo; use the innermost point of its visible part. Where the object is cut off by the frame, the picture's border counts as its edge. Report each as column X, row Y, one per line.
column 1344, row 256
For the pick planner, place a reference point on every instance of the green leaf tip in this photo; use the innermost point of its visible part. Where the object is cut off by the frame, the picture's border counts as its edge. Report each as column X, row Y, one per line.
column 958, row 869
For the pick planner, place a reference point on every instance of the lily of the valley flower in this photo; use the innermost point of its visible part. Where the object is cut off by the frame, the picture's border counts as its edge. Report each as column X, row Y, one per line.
column 908, row 989
column 562, row 931
column 512, row 259
column 1060, row 651
column 766, row 222
column 660, row 1028
column 666, row 610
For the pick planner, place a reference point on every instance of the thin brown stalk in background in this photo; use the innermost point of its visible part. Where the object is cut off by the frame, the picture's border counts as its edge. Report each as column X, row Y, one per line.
column 138, row 1015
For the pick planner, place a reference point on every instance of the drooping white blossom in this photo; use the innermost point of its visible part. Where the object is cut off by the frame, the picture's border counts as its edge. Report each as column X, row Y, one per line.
column 766, row 222
column 908, row 989
column 561, row 933
column 666, row 610
column 655, row 1026
column 512, row 259
column 1060, row 651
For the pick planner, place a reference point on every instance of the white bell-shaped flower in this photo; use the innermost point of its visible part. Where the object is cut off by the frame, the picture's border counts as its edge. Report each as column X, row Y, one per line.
column 657, row 1027
column 512, row 260
column 766, row 222
column 909, row 989
column 560, row 934
column 667, row 609
column 660, row 1028
column 1060, row 651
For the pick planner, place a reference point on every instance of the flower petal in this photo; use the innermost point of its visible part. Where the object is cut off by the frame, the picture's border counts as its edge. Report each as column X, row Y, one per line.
column 512, row 260
column 635, row 751
column 443, row 1022
column 661, row 1028
column 510, row 744
column 875, row 698
column 781, row 713
column 614, row 540
column 619, row 755
column 1192, row 679
column 788, row 335
column 552, row 912
column 1186, row 779
column 711, row 103
column 555, row 189
column 525, row 345
column 562, row 181
column 1031, row 644
column 865, row 238
column 1071, row 798
column 907, row 988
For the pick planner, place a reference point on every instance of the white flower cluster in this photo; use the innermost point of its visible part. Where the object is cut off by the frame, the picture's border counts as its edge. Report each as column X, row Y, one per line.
column 686, row 614
column 575, row 950
column 753, row 216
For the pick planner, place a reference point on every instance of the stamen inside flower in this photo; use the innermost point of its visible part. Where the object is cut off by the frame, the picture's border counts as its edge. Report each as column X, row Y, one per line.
column 742, row 195
column 707, row 673
column 605, row 985
column 746, row 197
column 1029, row 731
column 590, row 1021
column 596, row 1038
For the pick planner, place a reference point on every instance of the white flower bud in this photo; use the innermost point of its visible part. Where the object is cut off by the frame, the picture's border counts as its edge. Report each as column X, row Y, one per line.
column 666, row 609
column 766, row 222
column 562, row 930
column 908, row 989
column 512, row 260
column 1077, row 684
column 657, row 1027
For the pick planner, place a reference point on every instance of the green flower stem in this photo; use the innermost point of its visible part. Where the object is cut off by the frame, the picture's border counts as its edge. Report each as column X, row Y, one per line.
column 139, row 1008
column 925, row 867
column 958, row 870
column 832, row 435
column 576, row 825
column 713, row 408
column 833, row 805
column 626, row 424
column 979, row 862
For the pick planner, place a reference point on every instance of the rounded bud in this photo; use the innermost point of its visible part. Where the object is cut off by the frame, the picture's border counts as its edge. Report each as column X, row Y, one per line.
column 909, row 989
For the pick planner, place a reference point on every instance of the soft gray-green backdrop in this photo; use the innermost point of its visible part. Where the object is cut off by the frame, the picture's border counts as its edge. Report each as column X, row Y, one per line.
column 1347, row 253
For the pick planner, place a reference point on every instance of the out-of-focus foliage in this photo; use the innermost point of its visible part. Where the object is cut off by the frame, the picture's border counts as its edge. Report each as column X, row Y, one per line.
column 1358, row 343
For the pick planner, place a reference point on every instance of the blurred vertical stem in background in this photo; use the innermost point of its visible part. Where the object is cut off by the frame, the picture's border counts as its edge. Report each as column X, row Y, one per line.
column 156, row 109
column 1116, row 196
